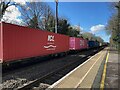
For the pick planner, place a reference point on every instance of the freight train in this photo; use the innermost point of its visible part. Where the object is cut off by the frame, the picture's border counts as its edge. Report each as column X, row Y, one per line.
column 19, row 42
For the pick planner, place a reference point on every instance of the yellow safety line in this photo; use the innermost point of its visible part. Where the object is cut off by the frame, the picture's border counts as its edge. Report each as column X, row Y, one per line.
column 104, row 73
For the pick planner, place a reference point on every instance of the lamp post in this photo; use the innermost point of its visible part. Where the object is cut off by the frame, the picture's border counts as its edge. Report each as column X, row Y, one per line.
column 56, row 16
column 43, row 22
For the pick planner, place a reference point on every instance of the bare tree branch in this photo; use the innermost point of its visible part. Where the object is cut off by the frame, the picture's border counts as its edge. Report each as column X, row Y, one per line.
column 35, row 12
column 4, row 5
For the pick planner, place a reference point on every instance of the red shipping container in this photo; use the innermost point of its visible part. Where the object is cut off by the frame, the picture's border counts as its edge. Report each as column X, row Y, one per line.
column 22, row 42
column 1, row 46
column 77, row 43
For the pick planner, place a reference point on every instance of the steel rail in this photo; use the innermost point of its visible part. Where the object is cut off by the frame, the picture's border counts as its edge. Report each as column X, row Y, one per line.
column 54, row 73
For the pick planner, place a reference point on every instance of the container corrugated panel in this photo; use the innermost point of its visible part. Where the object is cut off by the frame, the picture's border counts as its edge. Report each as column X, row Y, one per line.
column 1, row 42
column 91, row 44
column 78, row 43
column 74, row 43
column 22, row 42
column 96, row 44
column 84, row 43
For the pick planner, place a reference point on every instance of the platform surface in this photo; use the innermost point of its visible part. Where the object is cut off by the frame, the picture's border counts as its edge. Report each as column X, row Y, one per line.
column 112, row 73
column 84, row 75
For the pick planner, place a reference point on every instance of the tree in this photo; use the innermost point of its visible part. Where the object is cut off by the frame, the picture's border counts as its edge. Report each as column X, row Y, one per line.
column 37, row 14
column 31, row 14
column 4, row 4
column 112, row 24
column 49, row 21
column 91, row 36
column 9, row 11
column 99, row 39
column 73, row 32
column 113, row 27
column 51, row 24
column 63, row 26
column 33, row 23
column 88, row 35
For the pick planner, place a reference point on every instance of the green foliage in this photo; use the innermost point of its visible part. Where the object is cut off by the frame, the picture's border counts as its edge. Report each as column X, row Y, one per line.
column 72, row 32
column 91, row 36
column 50, row 24
column 113, row 27
column 87, row 35
column 33, row 23
column 63, row 26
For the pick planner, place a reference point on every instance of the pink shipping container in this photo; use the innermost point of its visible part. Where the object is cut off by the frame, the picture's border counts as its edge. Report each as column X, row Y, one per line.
column 17, row 42
column 77, row 43
column 85, row 44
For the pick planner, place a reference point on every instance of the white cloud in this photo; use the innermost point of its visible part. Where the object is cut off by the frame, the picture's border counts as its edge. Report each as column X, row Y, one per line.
column 97, row 28
column 22, row 2
column 12, row 15
column 81, row 29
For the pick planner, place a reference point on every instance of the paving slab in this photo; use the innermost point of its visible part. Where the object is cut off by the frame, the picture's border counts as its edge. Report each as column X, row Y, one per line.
column 112, row 74
column 83, row 76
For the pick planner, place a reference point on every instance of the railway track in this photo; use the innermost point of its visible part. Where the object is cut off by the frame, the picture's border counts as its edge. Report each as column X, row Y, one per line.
column 48, row 79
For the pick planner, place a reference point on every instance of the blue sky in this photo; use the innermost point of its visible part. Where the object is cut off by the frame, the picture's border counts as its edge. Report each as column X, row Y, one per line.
column 91, row 16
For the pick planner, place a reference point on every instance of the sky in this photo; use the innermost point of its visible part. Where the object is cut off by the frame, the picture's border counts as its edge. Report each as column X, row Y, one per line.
column 90, row 16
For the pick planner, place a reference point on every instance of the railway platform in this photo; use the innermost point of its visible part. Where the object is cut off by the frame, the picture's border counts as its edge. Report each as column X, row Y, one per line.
column 112, row 78
column 99, row 71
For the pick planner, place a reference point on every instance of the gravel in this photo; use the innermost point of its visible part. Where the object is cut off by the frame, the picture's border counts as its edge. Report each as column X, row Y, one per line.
column 30, row 73
column 14, row 83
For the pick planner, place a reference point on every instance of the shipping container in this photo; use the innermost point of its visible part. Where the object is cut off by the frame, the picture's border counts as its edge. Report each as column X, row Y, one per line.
column 85, row 46
column 78, row 43
column 1, row 48
column 91, row 44
column 96, row 43
column 74, row 43
column 21, row 42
